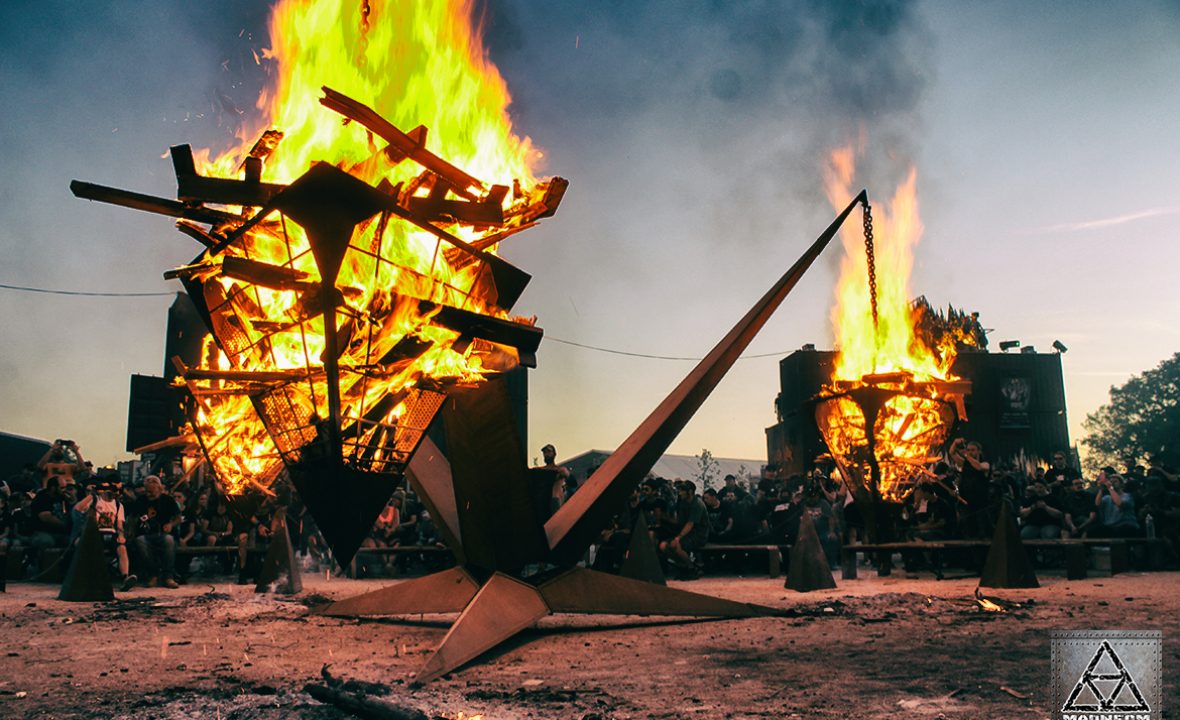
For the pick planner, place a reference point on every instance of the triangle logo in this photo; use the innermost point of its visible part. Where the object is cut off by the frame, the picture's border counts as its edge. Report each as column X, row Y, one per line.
column 1105, row 686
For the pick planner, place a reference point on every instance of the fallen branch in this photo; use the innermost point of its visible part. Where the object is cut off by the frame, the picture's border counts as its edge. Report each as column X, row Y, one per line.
column 362, row 707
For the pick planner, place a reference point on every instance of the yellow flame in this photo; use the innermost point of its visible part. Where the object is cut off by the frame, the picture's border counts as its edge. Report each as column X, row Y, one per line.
column 897, row 228
column 910, row 425
column 417, row 62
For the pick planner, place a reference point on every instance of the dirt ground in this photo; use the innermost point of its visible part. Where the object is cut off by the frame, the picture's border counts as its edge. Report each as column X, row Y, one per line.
column 874, row 647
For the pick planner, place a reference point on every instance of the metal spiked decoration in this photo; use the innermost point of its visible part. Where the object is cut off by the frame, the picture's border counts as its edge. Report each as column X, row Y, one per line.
column 478, row 494
column 320, row 366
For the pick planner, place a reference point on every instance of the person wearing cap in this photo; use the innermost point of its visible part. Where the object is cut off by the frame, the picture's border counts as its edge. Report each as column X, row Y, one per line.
column 693, row 519
column 109, row 517
column 560, row 475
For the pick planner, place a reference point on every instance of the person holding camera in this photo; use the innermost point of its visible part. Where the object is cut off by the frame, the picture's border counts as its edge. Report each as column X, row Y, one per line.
column 156, row 514
column 109, row 516
column 63, row 459
column 1116, row 508
column 975, row 520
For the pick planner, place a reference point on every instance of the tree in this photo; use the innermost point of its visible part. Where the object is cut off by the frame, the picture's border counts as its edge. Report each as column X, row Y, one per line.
column 707, row 469
column 1141, row 422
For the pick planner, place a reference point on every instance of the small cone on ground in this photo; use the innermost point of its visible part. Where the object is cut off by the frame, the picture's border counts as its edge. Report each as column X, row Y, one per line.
column 642, row 562
column 87, row 579
column 280, row 561
column 1007, row 564
column 809, row 568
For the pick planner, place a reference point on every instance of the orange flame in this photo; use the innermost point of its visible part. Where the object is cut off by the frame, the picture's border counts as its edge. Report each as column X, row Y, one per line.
column 909, row 425
column 414, row 62
column 897, row 226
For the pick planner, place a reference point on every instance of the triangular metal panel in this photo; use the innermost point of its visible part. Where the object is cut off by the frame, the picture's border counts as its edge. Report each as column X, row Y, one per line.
column 809, row 569
column 87, row 579
column 1007, row 564
column 503, row 607
column 587, row 591
column 448, row 591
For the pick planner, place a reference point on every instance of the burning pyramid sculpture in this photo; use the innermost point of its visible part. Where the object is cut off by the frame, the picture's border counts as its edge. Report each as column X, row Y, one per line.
column 336, row 339
column 322, row 367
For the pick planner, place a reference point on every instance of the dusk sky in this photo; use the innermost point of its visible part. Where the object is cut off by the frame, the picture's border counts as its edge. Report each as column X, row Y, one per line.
column 693, row 134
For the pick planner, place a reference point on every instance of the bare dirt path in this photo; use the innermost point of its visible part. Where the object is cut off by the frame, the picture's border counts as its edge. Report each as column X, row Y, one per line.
column 872, row 648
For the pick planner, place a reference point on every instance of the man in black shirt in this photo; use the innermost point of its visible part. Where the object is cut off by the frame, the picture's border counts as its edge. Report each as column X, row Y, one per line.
column 975, row 519
column 1059, row 476
column 50, row 515
column 693, row 532
column 156, row 513
column 1041, row 516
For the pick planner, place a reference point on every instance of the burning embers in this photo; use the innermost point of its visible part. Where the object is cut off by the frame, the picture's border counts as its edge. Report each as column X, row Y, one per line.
column 892, row 402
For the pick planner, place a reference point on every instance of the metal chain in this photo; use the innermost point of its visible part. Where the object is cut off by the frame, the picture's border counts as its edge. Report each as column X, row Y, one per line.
column 868, row 220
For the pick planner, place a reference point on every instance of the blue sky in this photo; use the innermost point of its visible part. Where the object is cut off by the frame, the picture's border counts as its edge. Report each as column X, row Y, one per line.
column 1044, row 136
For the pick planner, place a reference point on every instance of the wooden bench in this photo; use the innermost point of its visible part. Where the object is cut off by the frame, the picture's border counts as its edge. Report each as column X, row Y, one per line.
column 397, row 550
column 1076, row 553
column 253, row 553
column 774, row 554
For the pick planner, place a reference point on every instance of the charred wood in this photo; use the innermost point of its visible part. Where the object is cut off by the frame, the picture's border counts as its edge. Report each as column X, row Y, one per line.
column 152, row 204
column 193, row 187
column 403, row 143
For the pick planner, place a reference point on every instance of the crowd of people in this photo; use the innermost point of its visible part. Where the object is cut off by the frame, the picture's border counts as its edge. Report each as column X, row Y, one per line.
column 961, row 497
column 145, row 522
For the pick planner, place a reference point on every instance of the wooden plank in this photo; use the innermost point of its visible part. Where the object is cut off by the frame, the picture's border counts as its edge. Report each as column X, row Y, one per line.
column 403, row 143
column 149, row 203
column 192, row 187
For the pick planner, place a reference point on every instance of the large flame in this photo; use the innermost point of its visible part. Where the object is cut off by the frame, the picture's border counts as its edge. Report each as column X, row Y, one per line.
column 886, row 410
column 897, row 227
column 419, row 62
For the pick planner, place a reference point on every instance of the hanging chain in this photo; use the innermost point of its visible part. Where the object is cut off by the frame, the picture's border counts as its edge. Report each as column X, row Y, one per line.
column 868, row 220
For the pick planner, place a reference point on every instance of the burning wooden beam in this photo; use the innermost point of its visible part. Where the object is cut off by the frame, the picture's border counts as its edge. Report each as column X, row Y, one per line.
column 460, row 181
column 152, row 204
column 192, row 187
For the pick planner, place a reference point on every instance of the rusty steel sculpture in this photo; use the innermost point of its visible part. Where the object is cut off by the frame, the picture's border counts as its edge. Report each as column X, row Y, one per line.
column 347, row 449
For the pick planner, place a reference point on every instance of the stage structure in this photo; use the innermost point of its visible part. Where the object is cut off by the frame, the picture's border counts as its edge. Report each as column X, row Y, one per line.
column 327, row 339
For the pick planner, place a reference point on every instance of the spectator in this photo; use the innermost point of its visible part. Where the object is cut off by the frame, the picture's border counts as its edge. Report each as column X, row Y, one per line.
column 6, row 530
column 561, row 475
column 1080, row 513
column 1060, row 475
column 1116, row 509
column 109, row 517
column 975, row 520
column 156, row 515
column 731, row 486
column 713, row 506
column 741, row 520
column 693, row 531
column 1041, row 516
column 1164, row 508
column 930, row 512
column 63, row 459
column 50, row 515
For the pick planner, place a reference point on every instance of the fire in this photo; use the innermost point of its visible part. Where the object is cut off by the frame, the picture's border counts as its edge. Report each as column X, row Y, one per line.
column 891, row 346
column 892, row 400
column 413, row 63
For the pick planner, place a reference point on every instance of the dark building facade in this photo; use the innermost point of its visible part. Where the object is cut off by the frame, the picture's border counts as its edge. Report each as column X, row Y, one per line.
column 1016, row 408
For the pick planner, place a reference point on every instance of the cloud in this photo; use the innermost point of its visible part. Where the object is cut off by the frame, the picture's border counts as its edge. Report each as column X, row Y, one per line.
column 1113, row 221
